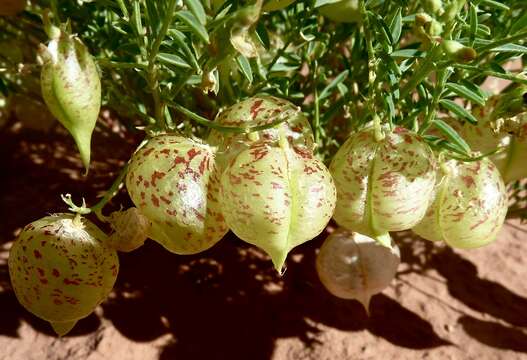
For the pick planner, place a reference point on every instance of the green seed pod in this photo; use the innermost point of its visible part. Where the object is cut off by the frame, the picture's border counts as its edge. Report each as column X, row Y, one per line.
column 71, row 88
column 276, row 198
column 11, row 7
column 130, row 229
column 346, row 11
column 174, row 183
column 61, row 269
column 458, row 52
column 382, row 185
column 469, row 207
column 260, row 111
column 353, row 266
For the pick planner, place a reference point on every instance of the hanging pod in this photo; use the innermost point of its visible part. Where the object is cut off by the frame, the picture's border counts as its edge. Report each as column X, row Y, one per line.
column 353, row 266
column 383, row 185
column 469, row 207
column 71, row 88
column 61, row 269
column 260, row 111
column 277, row 197
column 174, row 183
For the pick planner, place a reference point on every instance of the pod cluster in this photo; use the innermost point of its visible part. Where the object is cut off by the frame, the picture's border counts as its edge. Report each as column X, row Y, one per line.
column 266, row 185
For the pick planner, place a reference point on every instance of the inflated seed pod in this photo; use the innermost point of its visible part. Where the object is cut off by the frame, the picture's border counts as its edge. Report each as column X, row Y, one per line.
column 71, row 88
column 382, row 185
column 276, row 198
column 174, row 182
column 130, row 229
column 469, row 207
column 61, row 269
column 260, row 111
column 346, row 11
column 353, row 266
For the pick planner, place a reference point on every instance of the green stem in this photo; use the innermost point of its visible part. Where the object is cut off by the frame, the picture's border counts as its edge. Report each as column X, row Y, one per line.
column 372, row 62
column 426, row 68
column 213, row 125
column 316, row 120
column 496, row 43
column 110, row 193
column 442, row 76
column 152, row 69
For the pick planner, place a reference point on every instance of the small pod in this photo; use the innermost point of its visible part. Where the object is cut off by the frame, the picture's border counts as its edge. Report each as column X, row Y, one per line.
column 276, row 198
column 382, row 185
column 61, row 269
column 469, row 207
column 71, row 88
column 130, row 229
column 260, row 111
column 174, row 182
column 353, row 266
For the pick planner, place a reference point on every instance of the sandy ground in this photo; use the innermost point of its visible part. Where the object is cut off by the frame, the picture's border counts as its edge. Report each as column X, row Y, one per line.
column 228, row 303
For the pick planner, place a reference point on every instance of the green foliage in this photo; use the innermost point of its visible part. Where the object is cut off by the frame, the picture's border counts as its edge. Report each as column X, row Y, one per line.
column 172, row 65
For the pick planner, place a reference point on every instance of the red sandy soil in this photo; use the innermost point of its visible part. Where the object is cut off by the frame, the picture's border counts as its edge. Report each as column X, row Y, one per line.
column 229, row 303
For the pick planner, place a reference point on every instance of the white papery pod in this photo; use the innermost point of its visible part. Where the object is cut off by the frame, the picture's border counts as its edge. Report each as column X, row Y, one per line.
column 353, row 266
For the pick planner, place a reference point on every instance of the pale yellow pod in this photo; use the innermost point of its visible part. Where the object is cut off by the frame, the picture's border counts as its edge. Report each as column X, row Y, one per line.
column 277, row 198
column 382, row 185
column 469, row 206
column 61, row 269
column 174, row 182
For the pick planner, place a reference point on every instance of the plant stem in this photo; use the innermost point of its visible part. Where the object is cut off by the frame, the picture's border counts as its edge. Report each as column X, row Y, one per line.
column 372, row 66
column 110, row 193
column 442, row 76
column 426, row 68
column 496, row 43
column 316, row 120
column 152, row 69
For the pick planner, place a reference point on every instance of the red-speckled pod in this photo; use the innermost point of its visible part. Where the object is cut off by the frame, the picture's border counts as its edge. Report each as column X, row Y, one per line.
column 277, row 198
column 173, row 181
column 354, row 266
column 469, row 207
column 61, row 269
column 258, row 111
column 382, row 186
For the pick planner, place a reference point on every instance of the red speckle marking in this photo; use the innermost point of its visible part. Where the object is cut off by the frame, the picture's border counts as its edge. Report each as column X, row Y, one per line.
column 155, row 200
column 468, row 180
column 192, row 153
column 156, row 175
column 255, row 107
column 40, row 271
column 71, row 282
column 37, row 254
column 55, row 273
column 57, row 302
